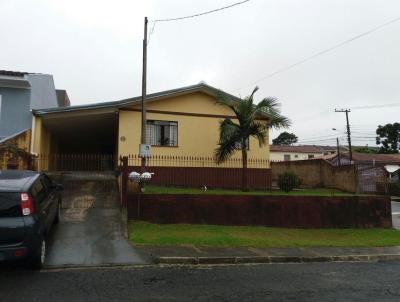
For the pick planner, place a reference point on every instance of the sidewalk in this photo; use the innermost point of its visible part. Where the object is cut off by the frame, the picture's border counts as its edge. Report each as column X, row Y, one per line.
column 212, row 255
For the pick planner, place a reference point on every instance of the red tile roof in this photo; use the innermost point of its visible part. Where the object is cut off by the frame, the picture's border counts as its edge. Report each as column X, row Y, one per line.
column 295, row 149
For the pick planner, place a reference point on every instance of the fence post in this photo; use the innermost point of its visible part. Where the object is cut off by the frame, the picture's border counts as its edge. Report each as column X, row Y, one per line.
column 124, row 181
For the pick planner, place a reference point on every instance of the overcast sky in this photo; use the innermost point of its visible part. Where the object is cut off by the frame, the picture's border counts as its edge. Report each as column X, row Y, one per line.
column 93, row 48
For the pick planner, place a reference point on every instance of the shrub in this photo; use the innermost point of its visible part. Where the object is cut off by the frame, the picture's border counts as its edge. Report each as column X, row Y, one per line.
column 288, row 181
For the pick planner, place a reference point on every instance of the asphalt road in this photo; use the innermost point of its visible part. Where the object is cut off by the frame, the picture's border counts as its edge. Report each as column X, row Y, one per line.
column 270, row 282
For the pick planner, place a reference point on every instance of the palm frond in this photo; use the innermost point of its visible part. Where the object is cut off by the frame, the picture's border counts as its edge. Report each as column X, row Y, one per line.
column 229, row 136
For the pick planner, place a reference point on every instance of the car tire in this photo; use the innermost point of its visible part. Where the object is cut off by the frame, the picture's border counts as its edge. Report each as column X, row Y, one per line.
column 58, row 214
column 38, row 259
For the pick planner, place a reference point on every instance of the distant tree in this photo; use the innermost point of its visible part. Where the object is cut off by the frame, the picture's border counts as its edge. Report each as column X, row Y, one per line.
column 285, row 138
column 366, row 149
column 388, row 137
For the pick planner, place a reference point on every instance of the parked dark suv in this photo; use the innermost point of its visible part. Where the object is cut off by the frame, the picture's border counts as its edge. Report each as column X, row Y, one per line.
column 29, row 206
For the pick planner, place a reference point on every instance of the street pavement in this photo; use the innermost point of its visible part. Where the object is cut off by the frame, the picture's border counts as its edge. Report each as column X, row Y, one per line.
column 267, row 282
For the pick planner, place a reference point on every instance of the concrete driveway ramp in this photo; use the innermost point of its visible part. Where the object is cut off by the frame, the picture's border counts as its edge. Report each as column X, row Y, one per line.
column 90, row 231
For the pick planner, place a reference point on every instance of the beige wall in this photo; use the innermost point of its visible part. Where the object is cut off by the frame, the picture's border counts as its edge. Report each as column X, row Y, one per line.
column 279, row 156
column 319, row 173
column 197, row 135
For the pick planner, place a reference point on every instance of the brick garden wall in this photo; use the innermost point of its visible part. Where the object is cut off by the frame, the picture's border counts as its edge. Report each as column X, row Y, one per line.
column 258, row 178
column 319, row 173
column 272, row 211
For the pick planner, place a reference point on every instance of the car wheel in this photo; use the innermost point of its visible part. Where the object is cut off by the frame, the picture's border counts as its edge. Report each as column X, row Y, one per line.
column 58, row 214
column 37, row 261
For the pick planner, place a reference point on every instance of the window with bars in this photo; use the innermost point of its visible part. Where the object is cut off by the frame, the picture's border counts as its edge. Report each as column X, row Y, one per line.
column 162, row 133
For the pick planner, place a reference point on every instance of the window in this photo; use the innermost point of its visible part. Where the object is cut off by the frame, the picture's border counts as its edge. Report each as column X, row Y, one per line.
column 310, row 156
column 38, row 191
column 286, row 157
column 162, row 133
column 296, row 156
column 0, row 106
column 48, row 183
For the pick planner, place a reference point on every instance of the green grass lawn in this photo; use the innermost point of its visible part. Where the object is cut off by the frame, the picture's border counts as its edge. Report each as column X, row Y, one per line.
column 242, row 236
column 152, row 189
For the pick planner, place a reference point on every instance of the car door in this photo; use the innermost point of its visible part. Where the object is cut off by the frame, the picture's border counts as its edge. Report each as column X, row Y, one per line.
column 42, row 202
column 51, row 195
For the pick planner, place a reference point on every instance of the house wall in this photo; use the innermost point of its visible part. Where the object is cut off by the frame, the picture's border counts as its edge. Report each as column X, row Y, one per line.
column 16, row 103
column 42, row 143
column 279, row 156
column 43, row 92
column 14, row 114
column 197, row 135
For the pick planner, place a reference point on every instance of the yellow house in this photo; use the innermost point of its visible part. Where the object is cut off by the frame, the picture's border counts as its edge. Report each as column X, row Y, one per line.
column 182, row 122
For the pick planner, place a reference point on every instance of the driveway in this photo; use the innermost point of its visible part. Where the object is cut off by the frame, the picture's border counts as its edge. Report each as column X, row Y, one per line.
column 90, row 232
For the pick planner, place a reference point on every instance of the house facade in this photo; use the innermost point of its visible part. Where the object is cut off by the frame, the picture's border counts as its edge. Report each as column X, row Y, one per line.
column 20, row 92
column 289, row 153
column 182, row 122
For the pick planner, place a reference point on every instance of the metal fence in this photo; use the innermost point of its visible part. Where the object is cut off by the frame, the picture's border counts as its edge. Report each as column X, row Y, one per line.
column 195, row 161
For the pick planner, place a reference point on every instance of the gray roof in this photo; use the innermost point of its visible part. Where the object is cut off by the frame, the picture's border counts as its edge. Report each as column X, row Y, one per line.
column 13, row 73
column 3, row 139
column 118, row 104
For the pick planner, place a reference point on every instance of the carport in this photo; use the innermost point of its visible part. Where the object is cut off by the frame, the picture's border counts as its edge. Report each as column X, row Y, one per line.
column 75, row 140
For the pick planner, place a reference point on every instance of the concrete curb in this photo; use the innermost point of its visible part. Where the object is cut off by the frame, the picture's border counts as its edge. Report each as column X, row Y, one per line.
column 275, row 259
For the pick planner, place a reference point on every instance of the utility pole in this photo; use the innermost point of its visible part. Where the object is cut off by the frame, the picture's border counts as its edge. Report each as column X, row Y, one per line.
column 348, row 131
column 338, row 150
column 144, row 82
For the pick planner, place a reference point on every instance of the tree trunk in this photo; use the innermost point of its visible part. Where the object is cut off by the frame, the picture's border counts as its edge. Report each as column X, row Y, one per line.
column 245, row 187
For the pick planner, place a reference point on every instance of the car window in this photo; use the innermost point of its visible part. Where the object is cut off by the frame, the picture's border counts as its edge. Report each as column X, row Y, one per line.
column 47, row 182
column 10, row 205
column 38, row 191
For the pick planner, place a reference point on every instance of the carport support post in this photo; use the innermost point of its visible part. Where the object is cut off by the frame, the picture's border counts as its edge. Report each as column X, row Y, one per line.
column 124, row 181
column 144, row 79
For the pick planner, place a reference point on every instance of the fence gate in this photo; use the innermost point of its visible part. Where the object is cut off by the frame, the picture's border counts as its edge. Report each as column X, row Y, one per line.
column 89, row 180
column 372, row 180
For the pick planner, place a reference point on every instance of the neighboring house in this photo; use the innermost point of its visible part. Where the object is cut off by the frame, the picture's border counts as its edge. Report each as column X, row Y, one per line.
column 288, row 153
column 62, row 98
column 180, row 122
column 371, row 168
column 366, row 159
column 20, row 92
column 14, row 151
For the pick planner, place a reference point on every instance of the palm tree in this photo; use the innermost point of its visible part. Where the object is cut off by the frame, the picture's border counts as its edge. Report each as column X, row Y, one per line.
column 253, row 120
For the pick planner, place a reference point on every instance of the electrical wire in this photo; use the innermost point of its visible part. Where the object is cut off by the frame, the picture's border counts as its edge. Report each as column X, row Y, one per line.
column 325, row 51
column 201, row 14
column 191, row 16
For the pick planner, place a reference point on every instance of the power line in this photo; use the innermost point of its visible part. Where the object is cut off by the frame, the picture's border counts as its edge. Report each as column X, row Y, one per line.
column 201, row 14
column 375, row 106
column 326, row 51
column 191, row 16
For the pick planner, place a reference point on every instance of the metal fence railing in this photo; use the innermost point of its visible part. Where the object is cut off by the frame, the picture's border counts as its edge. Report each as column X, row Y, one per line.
column 195, row 161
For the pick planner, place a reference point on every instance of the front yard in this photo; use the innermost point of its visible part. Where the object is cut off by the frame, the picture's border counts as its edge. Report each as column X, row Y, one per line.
column 153, row 189
column 249, row 236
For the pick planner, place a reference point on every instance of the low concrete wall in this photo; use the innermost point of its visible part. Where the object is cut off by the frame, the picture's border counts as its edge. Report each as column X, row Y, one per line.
column 272, row 211
column 319, row 173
